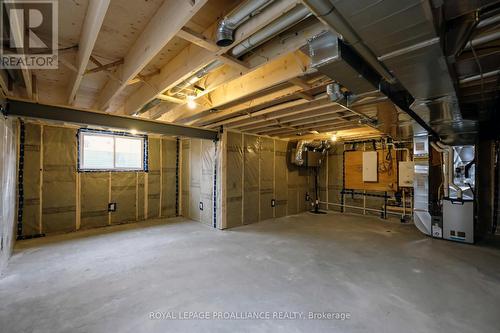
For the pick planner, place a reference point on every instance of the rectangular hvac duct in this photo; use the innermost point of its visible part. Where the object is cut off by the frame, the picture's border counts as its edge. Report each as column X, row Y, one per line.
column 402, row 34
column 330, row 57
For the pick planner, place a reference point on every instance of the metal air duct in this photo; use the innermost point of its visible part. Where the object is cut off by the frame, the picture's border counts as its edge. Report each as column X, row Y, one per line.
column 331, row 57
column 226, row 28
column 402, row 35
column 286, row 21
column 289, row 19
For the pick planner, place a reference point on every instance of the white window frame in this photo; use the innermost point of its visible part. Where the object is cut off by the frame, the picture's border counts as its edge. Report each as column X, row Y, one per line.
column 114, row 135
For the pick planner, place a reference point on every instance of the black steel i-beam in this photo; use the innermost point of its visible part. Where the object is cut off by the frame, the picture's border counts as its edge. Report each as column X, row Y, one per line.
column 58, row 113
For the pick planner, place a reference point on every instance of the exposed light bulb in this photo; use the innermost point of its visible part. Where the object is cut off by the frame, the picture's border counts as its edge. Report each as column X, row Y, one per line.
column 190, row 101
column 334, row 137
column 133, row 131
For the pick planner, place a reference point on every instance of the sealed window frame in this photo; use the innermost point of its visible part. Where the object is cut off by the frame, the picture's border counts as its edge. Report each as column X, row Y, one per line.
column 84, row 132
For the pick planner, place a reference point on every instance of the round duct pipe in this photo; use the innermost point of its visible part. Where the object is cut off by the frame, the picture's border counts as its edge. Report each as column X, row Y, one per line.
column 225, row 30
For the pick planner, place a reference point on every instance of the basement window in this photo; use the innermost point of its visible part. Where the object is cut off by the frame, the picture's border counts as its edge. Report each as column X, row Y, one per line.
column 111, row 151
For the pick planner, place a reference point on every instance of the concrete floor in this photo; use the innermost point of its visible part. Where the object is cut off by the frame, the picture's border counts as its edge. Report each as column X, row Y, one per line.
column 388, row 276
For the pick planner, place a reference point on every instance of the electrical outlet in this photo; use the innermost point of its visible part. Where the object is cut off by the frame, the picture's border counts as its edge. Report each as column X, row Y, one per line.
column 273, row 203
column 201, row 205
column 112, row 207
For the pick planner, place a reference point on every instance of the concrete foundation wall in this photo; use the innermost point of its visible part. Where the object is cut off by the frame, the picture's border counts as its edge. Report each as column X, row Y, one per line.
column 59, row 199
column 8, row 174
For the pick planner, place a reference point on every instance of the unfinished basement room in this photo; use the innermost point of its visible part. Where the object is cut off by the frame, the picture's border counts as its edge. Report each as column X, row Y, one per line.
column 250, row 166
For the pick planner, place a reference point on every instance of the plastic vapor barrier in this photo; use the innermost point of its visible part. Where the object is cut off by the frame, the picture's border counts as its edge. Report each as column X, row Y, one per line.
column 185, row 177
column 251, row 157
column 207, row 181
column 234, row 179
column 168, row 169
column 141, row 196
column 197, row 180
column 154, row 178
column 8, row 166
column 94, row 196
column 266, row 178
column 32, row 188
column 123, row 193
column 281, row 178
column 257, row 176
column 59, row 199
column 59, row 179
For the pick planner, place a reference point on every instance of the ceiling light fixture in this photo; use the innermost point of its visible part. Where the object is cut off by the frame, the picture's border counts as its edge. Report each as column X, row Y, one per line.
column 190, row 101
column 334, row 137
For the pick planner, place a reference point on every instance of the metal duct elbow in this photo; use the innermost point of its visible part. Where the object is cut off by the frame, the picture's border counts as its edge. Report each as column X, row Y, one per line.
column 299, row 152
column 286, row 21
column 333, row 91
column 225, row 30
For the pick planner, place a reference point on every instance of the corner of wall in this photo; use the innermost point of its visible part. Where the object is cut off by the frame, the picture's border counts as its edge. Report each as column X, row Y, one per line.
column 8, row 172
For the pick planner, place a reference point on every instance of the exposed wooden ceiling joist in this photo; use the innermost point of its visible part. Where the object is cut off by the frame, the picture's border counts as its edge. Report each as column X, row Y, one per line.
column 315, row 127
column 263, row 101
column 168, row 20
column 288, row 44
column 343, row 134
column 249, row 105
column 275, row 112
column 316, row 121
column 194, row 58
column 17, row 34
column 327, row 110
column 4, row 82
column 327, row 128
column 271, row 74
column 96, row 12
column 198, row 39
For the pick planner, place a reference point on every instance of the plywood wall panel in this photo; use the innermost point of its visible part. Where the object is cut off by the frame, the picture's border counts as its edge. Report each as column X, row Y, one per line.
column 387, row 175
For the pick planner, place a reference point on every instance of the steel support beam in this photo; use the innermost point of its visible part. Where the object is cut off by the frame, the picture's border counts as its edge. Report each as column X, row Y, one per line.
column 71, row 115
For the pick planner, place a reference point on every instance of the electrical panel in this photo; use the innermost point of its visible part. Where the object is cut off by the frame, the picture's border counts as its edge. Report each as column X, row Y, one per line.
column 406, row 174
column 370, row 166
